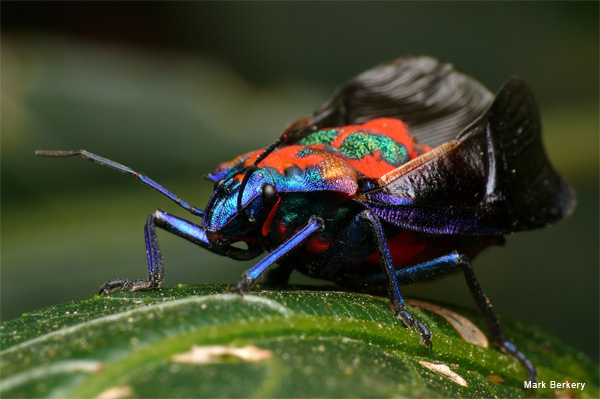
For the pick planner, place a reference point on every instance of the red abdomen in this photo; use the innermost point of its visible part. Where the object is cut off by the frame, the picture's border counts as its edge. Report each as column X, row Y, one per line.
column 409, row 248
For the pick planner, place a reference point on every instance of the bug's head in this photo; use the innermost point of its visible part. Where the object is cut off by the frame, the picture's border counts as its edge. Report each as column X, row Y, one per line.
column 236, row 212
column 245, row 194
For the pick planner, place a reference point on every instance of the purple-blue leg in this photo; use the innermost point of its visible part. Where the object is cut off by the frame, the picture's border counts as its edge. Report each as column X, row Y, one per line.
column 123, row 169
column 184, row 229
column 251, row 275
column 443, row 265
column 360, row 227
column 396, row 300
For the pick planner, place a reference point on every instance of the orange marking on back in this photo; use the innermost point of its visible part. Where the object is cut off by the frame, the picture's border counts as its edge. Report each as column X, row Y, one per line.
column 415, row 163
column 267, row 226
column 372, row 165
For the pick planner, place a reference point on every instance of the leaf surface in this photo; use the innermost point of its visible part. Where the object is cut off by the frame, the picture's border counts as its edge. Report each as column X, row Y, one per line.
column 304, row 343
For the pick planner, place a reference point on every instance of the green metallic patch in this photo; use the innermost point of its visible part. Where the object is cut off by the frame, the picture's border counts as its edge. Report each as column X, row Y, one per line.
column 320, row 137
column 360, row 144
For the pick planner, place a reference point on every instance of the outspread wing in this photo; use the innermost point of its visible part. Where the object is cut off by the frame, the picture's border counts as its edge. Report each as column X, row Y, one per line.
column 434, row 99
column 493, row 179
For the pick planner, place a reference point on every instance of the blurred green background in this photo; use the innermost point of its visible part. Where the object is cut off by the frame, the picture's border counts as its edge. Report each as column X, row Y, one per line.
column 172, row 89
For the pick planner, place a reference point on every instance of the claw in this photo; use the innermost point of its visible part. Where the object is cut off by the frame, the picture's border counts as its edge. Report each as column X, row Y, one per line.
column 410, row 322
column 235, row 290
column 242, row 287
column 127, row 285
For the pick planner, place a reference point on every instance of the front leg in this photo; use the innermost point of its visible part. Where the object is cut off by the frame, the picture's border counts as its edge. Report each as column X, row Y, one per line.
column 250, row 276
column 179, row 227
column 155, row 263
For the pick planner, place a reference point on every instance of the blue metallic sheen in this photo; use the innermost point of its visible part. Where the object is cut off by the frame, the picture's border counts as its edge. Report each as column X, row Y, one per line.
column 313, row 226
column 222, row 207
column 185, row 227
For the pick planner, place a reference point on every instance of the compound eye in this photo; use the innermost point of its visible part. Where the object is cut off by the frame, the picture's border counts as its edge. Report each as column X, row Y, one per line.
column 268, row 193
column 219, row 183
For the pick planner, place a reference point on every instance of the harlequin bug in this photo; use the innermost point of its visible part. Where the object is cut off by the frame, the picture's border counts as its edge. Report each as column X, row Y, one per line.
column 403, row 175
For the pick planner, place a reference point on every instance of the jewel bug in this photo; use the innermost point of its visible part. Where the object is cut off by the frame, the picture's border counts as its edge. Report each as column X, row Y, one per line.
column 404, row 174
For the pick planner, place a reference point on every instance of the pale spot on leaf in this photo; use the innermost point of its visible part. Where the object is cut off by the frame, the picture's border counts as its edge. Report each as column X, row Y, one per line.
column 465, row 327
column 216, row 353
column 445, row 371
column 118, row 392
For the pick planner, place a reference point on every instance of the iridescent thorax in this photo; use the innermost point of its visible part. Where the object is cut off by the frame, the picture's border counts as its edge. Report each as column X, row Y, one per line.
column 332, row 160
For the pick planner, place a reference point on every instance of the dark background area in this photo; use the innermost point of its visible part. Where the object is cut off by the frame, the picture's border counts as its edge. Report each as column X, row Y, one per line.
column 172, row 89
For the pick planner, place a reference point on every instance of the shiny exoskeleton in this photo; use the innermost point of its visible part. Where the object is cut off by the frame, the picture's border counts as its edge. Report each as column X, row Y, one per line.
column 403, row 175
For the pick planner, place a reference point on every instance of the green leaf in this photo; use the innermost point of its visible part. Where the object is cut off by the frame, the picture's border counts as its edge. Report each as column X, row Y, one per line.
column 296, row 343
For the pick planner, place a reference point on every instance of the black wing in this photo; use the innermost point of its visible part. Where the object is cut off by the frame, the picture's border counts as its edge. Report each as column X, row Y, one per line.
column 434, row 99
column 493, row 179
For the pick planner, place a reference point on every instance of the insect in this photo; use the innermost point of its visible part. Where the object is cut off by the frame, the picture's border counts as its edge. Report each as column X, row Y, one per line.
column 404, row 174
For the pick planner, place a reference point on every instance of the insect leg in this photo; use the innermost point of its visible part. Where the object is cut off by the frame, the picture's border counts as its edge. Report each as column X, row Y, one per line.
column 123, row 169
column 251, row 275
column 491, row 322
column 155, row 264
column 443, row 265
column 330, row 264
column 396, row 300
column 179, row 227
